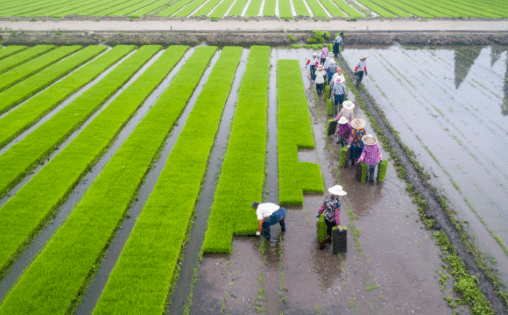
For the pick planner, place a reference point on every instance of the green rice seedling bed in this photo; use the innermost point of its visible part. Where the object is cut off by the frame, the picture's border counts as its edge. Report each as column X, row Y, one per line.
column 171, row 204
column 381, row 173
column 376, row 8
column 70, row 257
column 49, row 188
column 332, row 9
column 294, row 131
column 285, row 9
column 221, row 9
column 391, row 8
column 343, row 157
column 312, row 180
column 151, row 8
column 190, row 8
column 207, row 8
column 10, row 50
column 363, row 173
column 174, row 7
column 242, row 174
column 453, row 10
column 254, row 7
column 132, row 8
column 321, row 228
column 317, row 10
column 409, row 8
column 100, row 7
column 73, row 8
column 23, row 90
column 237, row 9
column 24, row 155
column 300, row 8
column 347, row 9
column 24, row 116
column 17, row 74
column 21, row 57
column 419, row 5
column 269, row 8
column 40, row 8
column 118, row 6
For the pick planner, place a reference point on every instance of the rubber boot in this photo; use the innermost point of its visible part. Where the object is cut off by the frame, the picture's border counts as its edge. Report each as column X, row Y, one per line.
column 325, row 242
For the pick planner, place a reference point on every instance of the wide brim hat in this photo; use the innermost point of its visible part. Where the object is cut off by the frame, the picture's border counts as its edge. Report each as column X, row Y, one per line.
column 342, row 120
column 314, row 54
column 369, row 139
column 337, row 190
column 348, row 105
column 363, row 57
column 358, row 123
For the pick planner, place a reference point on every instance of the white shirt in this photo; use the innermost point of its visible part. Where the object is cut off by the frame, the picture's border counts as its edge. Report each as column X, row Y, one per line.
column 266, row 209
column 320, row 76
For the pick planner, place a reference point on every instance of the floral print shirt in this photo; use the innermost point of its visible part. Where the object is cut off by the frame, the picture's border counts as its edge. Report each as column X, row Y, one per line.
column 356, row 137
column 344, row 130
column 371, row 154
column 331, row 209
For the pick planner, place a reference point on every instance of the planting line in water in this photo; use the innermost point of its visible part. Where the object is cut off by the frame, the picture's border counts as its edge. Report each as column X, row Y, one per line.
column 23, row 90
column 23, row 156
column 294, row 131
column 17, row 74
column 271, row 186
column 23, row 56
column 50, row 187
column 170, row 205
column 27, row 114
column 61, row 212
column 244, row 161
column 10, row 50
column 78, row 246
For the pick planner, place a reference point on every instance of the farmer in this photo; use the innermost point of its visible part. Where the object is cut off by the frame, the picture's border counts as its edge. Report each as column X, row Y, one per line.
column 360, row 69
column 346, row 111
column 313, row 64
column 336, row 44
column 320, row 80
column 269, row 214
column 331, row 68
column 371, row 155
column 344, row 131
column 331, row 211
column 355, row 140
column 335, row 76
column 324, row 53
column 339, row 92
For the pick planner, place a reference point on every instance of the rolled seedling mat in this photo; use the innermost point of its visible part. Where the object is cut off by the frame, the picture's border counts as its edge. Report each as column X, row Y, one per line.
column 321, row 229
column 329, row 107
column 381, row 173
column 361, row 171
column 332, row 126
column 344, row 156
column 339, row 240
column 327, row 91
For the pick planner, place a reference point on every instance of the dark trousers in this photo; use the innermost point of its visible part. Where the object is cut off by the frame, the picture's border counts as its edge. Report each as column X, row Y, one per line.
column 323, row 61
column 313, row 72
column 339, row 99
column 319, row 88
column 278, row 216
column 329, row 227
column 336, row 49
column 359, row 76
column 371, row 168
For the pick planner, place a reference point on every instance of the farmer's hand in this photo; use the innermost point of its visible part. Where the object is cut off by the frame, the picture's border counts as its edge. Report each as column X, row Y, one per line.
column 258, row 233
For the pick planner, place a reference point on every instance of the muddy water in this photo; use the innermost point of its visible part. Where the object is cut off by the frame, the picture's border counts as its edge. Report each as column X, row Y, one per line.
column 451, row 100
column 390, row 270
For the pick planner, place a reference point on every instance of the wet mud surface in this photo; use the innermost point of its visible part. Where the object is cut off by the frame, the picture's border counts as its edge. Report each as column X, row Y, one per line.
column 390, row 267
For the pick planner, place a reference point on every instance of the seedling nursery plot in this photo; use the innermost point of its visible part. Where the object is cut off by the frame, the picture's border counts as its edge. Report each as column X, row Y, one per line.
column 215, row 9
column 49, row 144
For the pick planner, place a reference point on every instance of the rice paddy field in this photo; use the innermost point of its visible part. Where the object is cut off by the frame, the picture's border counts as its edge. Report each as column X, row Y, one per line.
column 217, row 9
column 125, row 169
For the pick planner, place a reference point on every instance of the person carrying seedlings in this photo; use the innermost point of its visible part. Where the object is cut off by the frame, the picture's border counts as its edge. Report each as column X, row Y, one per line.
column 339, row 92
column 335, row 76
column 320, row 80
column 360, row 69
column 269, row 214
column 344, row 131
column 355, row 140
column 336, row 44
column 331, row 212
column 346, row 111
column 313, row 65
column 331, row 68
column 324, row 53
column 371, row 155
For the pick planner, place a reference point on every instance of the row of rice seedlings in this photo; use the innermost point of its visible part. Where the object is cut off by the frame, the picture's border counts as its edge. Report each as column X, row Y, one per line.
column 133, row 8
column 391, row 8
column 376, row 8
column 69, row 8
column 49, row 187
column 54, row 281
column 24, row 56
column 170, row 205
column 116, row 7
column 269, row 8
column 317, row 10
column 36, row 146
column 10, row 50
column 29, row 10
column 300, row 8
column 152, row 9
column 409, row 8
column 294, row 131
column 27, row 114
column 26, row 88
column 347, row 9
column 186, row 11
column 206, row 8
column 174, row 7
column 332, row 8
column 221, row 9
column 254, row 7
column 26, row 69
column 242, row 175
column 424, row 7
column 237, row 8
column 285, row 9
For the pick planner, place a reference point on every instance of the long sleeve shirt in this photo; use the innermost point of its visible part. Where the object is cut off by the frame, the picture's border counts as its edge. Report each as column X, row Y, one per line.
column 344, row 130
column 338, row 40
column 331, row 209
column 339, row 88
column 362, row 66
column 346, row 113
column 355, row 140
column 371, row 154
column 315, row 64
column 324, row 52
column 320, row 76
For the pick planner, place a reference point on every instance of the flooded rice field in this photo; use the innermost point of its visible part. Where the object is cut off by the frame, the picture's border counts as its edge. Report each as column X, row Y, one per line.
column 449, row 107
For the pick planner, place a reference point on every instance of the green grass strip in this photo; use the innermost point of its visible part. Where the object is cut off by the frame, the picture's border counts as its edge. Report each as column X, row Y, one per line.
column 346, row 8
column 19, row 58
column 60, row 273
column 170, row 206
column 269, row 8
column 242, row 175
column 10, row 50
column 23, row 90
column 19, row 73
column 204, row 10
column 174, row 7
column 237, row 9
column 294, row 131
column 285, row 9
column 300, row 8
column 27, row 153
column 24, row 116
column 332, row 9
column 312, row 180
column 254, row 7
column 49, row 188
column 317, row 10
column 221, row 9
column 190, row 8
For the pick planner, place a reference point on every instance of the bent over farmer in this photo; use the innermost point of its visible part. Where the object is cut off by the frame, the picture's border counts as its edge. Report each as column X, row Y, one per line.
column 269, row 214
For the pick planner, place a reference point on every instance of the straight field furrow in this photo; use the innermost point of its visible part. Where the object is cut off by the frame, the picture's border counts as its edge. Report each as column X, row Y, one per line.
column 346, row 8
column 221, row 9
column 175, row 7
column 332, row 8
column 17, row 74
column 151, row 8
column 27, row 114
column 10, row 50
column 242, row 176
column 34, row 148
column 186, row 11
column 171, row 204
column 76, row 247
column 317, row 10
column 29, row 54
column 237, row 8
column 207, row 8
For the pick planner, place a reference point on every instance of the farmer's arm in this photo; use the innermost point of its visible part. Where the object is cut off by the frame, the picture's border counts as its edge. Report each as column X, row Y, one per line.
column 260, row 224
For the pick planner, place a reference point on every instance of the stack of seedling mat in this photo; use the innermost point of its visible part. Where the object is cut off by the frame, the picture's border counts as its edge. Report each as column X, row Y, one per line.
column 383, row 166
column 339, row 240
column 329, row 107
column 361, row 170
column 332, row 126
column 344, row 156
column 321, row 228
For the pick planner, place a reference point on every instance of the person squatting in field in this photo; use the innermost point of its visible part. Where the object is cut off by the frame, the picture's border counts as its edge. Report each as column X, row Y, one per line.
column 360, row 69
column 371, row 155
column 320, row 80
column 330, row 209
column 313, row 65
column 336, row 44
column 269, row 214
